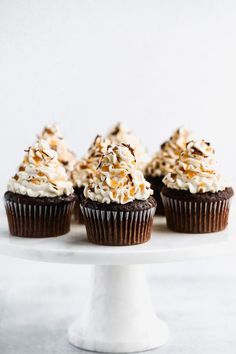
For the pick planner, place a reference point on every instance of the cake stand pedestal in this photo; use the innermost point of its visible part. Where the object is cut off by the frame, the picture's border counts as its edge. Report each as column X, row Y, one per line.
column 119, row 316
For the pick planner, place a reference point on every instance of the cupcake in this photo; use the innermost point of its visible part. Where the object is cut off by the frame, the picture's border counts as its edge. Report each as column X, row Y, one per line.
column 163, row 162
column 118, row 209
column 55, row 139
column 40, row 198
column 85, row 170
column 195, row 197
column 119, row 134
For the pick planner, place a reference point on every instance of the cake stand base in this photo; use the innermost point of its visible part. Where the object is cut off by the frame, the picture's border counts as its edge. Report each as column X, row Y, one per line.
column 119, row 316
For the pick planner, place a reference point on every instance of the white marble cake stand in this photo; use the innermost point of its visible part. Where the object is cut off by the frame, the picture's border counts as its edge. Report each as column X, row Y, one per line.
column 119, row 316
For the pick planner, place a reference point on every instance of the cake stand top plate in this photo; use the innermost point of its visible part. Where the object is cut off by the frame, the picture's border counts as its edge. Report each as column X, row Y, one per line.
column 164, row 246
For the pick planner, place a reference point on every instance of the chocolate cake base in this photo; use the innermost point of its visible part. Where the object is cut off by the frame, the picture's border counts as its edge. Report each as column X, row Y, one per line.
column 196, row 213
column 118, row 224
column 77, row 213
column 38, row 216
column 157, row 185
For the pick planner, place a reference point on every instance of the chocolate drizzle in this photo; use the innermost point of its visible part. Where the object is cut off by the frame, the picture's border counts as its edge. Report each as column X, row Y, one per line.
column 130, row 149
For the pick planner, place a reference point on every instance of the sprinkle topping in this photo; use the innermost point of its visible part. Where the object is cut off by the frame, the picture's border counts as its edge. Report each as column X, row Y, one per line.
column 40, row 174
column 118, row 179
column 195, row 170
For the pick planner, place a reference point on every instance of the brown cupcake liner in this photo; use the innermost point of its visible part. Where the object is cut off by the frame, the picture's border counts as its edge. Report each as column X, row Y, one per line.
column 118, row 228
column 196, row 216
column 35, row 220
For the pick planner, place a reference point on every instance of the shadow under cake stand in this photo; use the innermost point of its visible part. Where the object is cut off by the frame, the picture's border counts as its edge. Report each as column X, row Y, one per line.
column 119, row 316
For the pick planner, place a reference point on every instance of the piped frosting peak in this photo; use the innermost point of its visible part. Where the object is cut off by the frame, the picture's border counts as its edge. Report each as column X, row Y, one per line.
column 117, row 179
column 40, row 174
column 52, row 134
column 85, row 168
column 195, row 170
column 120, row 134
column 164, row 160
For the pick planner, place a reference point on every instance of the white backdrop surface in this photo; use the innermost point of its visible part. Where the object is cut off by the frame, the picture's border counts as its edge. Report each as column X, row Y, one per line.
column 86, row 64
column 155, row 65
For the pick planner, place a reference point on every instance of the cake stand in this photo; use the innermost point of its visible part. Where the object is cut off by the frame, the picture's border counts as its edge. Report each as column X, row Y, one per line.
column 119, row 316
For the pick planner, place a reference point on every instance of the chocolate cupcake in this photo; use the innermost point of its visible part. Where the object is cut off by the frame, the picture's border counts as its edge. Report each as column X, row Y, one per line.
column 163, row 162
column 120, row 134
column 118, row 209
column 40, row 198
column 55, row 139
column 85, row 170
column 195, row 197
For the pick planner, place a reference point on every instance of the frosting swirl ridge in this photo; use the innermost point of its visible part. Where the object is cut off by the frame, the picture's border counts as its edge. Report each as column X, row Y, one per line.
column 195, row 170
column 117, row 179
column 40, row 174
column 85, row 168
column 164, row 160
column 120, row 134
column 55, row 139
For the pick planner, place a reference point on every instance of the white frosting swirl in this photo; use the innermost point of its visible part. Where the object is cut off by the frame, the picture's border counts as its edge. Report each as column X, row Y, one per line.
column 164, row 160
column 117, row 179
column 41, row 174
column 54, row 137
column 85, row 169
column 195, row 170
column 119, row 134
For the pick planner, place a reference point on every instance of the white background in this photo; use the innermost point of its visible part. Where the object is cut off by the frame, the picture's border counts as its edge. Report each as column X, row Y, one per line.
column 155, row 65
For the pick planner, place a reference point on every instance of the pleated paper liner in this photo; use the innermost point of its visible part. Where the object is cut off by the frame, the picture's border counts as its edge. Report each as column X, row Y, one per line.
column 37, row 218
column 118, row 228
column 196, row 216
